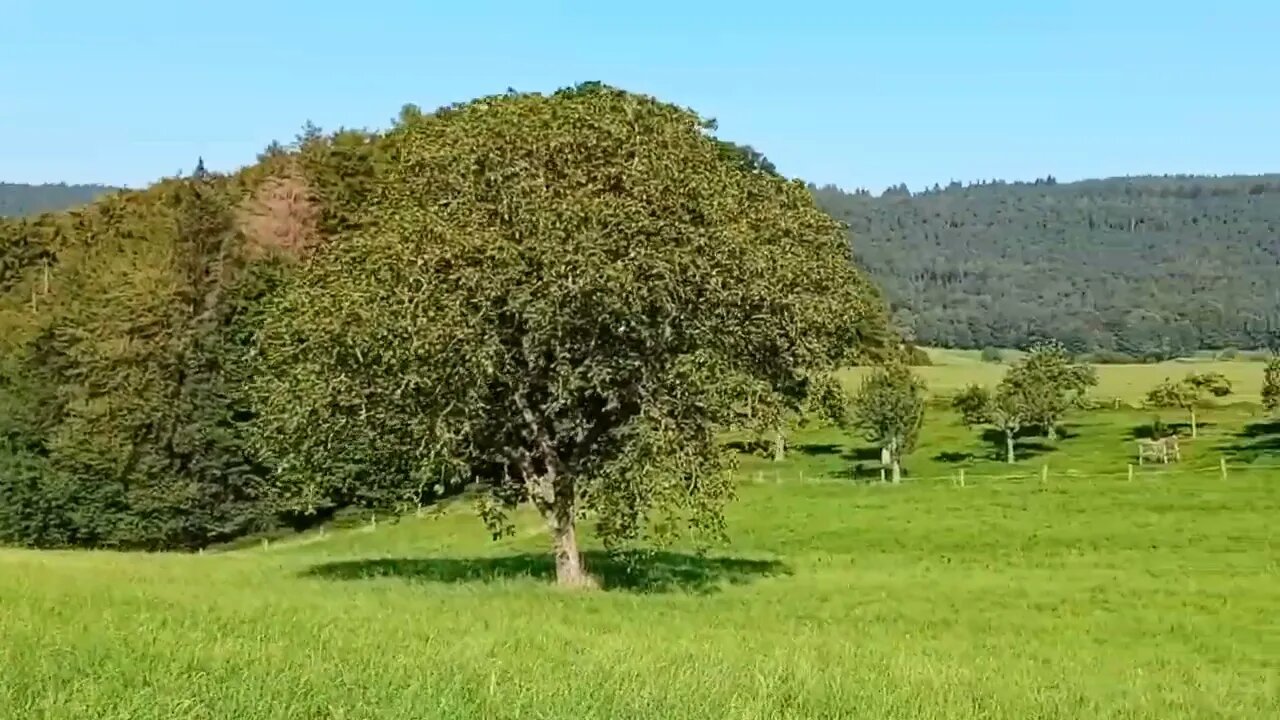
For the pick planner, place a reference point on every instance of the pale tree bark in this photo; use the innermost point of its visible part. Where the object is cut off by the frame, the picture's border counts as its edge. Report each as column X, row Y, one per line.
column 554, row 494
column 561, row 518
column 1192, row 410
column 1008, row 446
column 895, row 461
column 1052, row 431
column 779, row 445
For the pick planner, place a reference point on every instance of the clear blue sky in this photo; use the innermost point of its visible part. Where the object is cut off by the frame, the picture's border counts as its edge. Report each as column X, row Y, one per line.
column 854, row 93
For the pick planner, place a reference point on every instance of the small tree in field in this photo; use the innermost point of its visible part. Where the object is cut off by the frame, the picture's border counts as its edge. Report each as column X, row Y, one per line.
column 1005, row 410
column 889, row 409
column 813, row 401
column 1051, row 383
column 563, row 301
column 1189, row 393
column 1271, row 384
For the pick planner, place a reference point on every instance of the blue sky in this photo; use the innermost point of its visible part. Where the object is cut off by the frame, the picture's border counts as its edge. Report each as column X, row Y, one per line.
column 852, row 93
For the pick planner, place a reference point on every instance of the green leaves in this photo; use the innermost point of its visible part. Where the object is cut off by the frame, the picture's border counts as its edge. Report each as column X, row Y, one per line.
column 889, row 407
column 1271, row 384
column 1049, row 384
column 119, row 383
column 578, row 290
column 1190, row 391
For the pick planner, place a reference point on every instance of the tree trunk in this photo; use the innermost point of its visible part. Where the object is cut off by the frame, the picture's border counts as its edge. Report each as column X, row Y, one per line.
column 779, row 445
column 895, row 461
column 569, row 570
column 555, row 496
column 1193, row 422
column 1051, row 431
column 1008, row 446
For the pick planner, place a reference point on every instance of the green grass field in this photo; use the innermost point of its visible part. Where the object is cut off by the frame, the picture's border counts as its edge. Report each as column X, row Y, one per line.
column 954, row 369
column 1086, row 596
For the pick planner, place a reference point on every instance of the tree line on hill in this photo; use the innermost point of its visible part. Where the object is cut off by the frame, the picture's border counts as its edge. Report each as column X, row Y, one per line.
column 17, row 200
column 1125, row 269
column 559, row 300
column 1142, row 268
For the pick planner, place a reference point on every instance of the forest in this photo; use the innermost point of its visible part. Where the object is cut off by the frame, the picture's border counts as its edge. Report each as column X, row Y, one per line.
column 1144, row 268
column 1125, row 269
column 17, row 199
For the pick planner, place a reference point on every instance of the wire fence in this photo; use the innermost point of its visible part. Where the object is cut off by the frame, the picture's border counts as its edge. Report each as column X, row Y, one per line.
column 1224, row 471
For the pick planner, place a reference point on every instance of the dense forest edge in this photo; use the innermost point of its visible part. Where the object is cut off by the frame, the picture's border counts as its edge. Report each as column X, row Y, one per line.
column 18, row 199
column 366, row 320
column 1127, row 269
column 1131, row 269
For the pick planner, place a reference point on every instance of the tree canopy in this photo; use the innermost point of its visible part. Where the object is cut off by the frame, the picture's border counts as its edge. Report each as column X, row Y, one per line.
column 889, row 409
column 1052, row 383
column 1271, row 384
column 562, row 299
column 1189, row 392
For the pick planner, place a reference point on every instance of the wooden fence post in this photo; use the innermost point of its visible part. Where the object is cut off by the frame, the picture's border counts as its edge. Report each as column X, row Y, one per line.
column 961, row 477
column 1130, row 472
column 882, row 479
column 1222, row 464
column 1044, row 473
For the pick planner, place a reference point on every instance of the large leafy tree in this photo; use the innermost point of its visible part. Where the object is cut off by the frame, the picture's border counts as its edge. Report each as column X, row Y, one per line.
column 1189, row 393
column 1006, row 410
column 563, row 299
column 1052, row 383
column 889, row 408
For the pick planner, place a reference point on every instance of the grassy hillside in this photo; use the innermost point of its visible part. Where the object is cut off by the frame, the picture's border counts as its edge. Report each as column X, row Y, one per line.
column 1086, row 596
column 953, row 370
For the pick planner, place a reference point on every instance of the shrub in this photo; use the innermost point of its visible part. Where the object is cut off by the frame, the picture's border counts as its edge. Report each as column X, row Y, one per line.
column 917, row 357
column 1111, row 357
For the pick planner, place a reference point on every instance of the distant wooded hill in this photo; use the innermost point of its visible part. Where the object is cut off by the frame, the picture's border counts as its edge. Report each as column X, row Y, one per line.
column 1151, row 267
column 17, row 200
column 1148, row 266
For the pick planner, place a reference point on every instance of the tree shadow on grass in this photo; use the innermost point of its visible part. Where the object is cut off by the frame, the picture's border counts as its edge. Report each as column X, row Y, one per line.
column 951, row 456
column 1256, row 439
column 863, row 454
column 746, row 447
column 643, row 572
column 1145, row 431
column 1023, row 447
column 818, row 448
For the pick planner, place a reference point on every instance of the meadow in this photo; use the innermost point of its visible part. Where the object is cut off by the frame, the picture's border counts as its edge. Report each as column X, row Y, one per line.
column 954, row 369
column 1074, row 594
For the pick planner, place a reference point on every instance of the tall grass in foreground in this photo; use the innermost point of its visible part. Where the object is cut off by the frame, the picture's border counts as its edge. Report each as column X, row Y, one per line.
column 1084, row 597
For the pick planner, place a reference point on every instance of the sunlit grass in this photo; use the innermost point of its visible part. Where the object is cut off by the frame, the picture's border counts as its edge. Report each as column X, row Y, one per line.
column 953, row 370
column 1088, row 596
